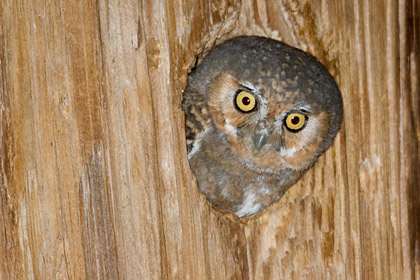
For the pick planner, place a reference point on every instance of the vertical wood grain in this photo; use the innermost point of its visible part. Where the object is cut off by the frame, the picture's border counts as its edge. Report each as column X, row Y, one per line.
column 94, row 177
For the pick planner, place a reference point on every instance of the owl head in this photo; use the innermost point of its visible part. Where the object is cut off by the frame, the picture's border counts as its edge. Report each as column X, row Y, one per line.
column 275, row 106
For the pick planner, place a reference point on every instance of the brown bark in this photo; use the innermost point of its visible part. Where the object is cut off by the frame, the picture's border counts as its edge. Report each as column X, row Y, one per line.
column 94, row 177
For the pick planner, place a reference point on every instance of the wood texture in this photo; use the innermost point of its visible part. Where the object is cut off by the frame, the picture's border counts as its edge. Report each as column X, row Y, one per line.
column 94, row 177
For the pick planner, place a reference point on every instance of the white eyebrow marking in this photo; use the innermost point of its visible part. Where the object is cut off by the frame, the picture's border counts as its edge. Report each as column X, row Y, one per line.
column 249, row 86
column 305, row 108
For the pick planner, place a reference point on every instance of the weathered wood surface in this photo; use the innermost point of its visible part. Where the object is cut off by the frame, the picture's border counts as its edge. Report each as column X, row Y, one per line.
column 94, row 178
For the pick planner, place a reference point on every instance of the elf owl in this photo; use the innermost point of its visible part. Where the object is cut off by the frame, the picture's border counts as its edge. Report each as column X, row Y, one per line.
column 258, row 115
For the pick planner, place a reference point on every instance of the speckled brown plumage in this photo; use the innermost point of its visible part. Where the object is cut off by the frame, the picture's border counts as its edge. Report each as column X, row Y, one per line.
column 245, row 158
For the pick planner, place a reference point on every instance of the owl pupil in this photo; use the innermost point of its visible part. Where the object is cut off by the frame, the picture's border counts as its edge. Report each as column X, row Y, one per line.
column 295, row 120
column 246, row 101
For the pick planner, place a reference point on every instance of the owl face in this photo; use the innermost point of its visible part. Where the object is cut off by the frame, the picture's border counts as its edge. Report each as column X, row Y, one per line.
column 258, row 114
column 264, row 127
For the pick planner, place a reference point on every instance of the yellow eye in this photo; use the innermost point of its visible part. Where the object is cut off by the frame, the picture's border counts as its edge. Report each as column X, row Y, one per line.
column 245, row 101
column 295, row 121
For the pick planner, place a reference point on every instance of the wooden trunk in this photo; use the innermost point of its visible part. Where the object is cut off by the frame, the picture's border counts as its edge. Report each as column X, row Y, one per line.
column 94, row 175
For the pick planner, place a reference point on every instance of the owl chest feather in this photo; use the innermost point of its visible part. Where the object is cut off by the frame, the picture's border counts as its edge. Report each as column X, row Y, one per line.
column 232, row 184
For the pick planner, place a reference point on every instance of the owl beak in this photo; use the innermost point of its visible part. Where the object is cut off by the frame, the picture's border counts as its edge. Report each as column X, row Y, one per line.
column 260, row 139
